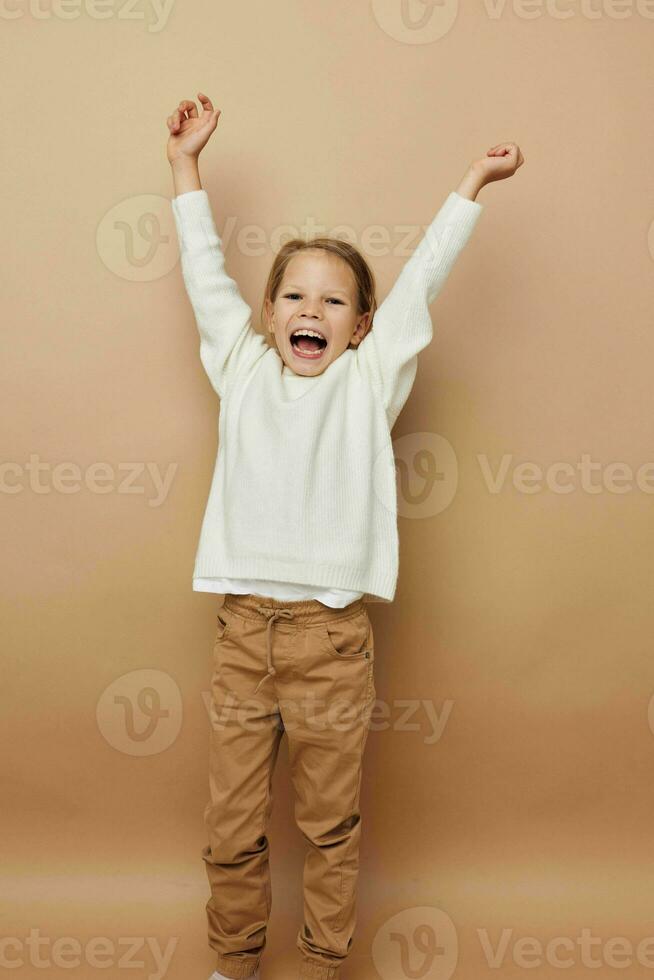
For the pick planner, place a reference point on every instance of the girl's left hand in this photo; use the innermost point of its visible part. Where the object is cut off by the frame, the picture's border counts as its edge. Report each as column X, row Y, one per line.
column 501, row 161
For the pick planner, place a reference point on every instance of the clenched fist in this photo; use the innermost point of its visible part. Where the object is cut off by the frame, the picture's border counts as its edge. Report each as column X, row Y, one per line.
column 500, row 161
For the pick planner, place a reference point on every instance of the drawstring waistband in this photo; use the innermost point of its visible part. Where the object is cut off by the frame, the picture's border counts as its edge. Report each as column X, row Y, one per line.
column 305, row 613
column 272, row 614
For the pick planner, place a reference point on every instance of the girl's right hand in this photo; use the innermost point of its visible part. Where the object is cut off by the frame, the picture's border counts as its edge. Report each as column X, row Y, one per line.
column 189, row 132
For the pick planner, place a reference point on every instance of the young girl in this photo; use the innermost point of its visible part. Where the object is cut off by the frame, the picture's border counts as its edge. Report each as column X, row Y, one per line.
column 299, row 532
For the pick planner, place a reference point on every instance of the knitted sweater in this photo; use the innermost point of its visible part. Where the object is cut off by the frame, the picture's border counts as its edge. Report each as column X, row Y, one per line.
column 304, row 488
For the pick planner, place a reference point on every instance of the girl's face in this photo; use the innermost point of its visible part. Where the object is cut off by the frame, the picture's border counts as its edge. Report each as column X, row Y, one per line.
column 318, row 293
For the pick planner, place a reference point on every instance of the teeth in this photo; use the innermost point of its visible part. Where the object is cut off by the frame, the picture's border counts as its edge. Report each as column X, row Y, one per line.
column 302, row 332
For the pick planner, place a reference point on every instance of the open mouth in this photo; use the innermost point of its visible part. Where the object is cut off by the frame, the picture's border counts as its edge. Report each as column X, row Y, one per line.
column 308, row 343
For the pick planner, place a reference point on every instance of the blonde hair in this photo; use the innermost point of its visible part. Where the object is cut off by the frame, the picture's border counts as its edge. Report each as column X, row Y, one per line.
column 363, row 275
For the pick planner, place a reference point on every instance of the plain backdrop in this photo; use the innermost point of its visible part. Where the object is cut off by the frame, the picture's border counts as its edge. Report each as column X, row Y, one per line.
column 523, row 616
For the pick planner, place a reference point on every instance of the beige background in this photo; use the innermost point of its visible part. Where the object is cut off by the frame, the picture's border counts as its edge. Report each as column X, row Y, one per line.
column 524, row 619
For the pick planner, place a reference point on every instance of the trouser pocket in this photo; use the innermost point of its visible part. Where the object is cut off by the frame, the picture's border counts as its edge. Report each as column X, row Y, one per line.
column 344, row 654
column 349, row 639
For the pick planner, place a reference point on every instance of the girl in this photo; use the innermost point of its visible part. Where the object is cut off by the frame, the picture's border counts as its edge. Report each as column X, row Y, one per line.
column 299, row 532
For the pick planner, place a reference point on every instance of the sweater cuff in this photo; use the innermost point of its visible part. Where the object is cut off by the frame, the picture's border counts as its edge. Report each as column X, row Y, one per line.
column 194, row 217
column 192, row 202
column 460, row 212
column 463, row 209
column 458, row 216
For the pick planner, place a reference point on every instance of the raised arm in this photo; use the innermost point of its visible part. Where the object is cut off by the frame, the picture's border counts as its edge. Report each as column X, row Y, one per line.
column 402, row 325
column 228, row 342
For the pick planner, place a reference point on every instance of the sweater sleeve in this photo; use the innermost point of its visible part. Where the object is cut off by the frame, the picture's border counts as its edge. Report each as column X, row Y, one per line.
column 402, row 325
column 228, row 342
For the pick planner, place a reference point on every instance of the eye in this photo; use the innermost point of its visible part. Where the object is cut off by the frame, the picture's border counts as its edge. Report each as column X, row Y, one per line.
column 331, row 299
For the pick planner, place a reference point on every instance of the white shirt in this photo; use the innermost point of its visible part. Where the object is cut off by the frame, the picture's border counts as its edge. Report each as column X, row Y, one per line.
column 303, row 492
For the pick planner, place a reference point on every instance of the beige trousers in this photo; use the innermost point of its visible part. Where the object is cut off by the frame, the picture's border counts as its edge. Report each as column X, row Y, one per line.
column 305, row 669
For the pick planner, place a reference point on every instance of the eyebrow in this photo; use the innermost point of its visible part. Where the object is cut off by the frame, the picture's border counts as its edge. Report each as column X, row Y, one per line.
column 292, row 285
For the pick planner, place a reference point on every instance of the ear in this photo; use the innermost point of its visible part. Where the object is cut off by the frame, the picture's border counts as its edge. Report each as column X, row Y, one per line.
column 362, row 327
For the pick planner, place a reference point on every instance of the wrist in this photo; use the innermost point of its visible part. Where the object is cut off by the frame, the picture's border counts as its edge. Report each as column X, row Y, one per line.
column 186, row 174
column 472, row 182
column 184, row 162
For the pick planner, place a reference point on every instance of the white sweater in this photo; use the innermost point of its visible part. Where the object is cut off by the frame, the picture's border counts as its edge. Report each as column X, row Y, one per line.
column 304, row 489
